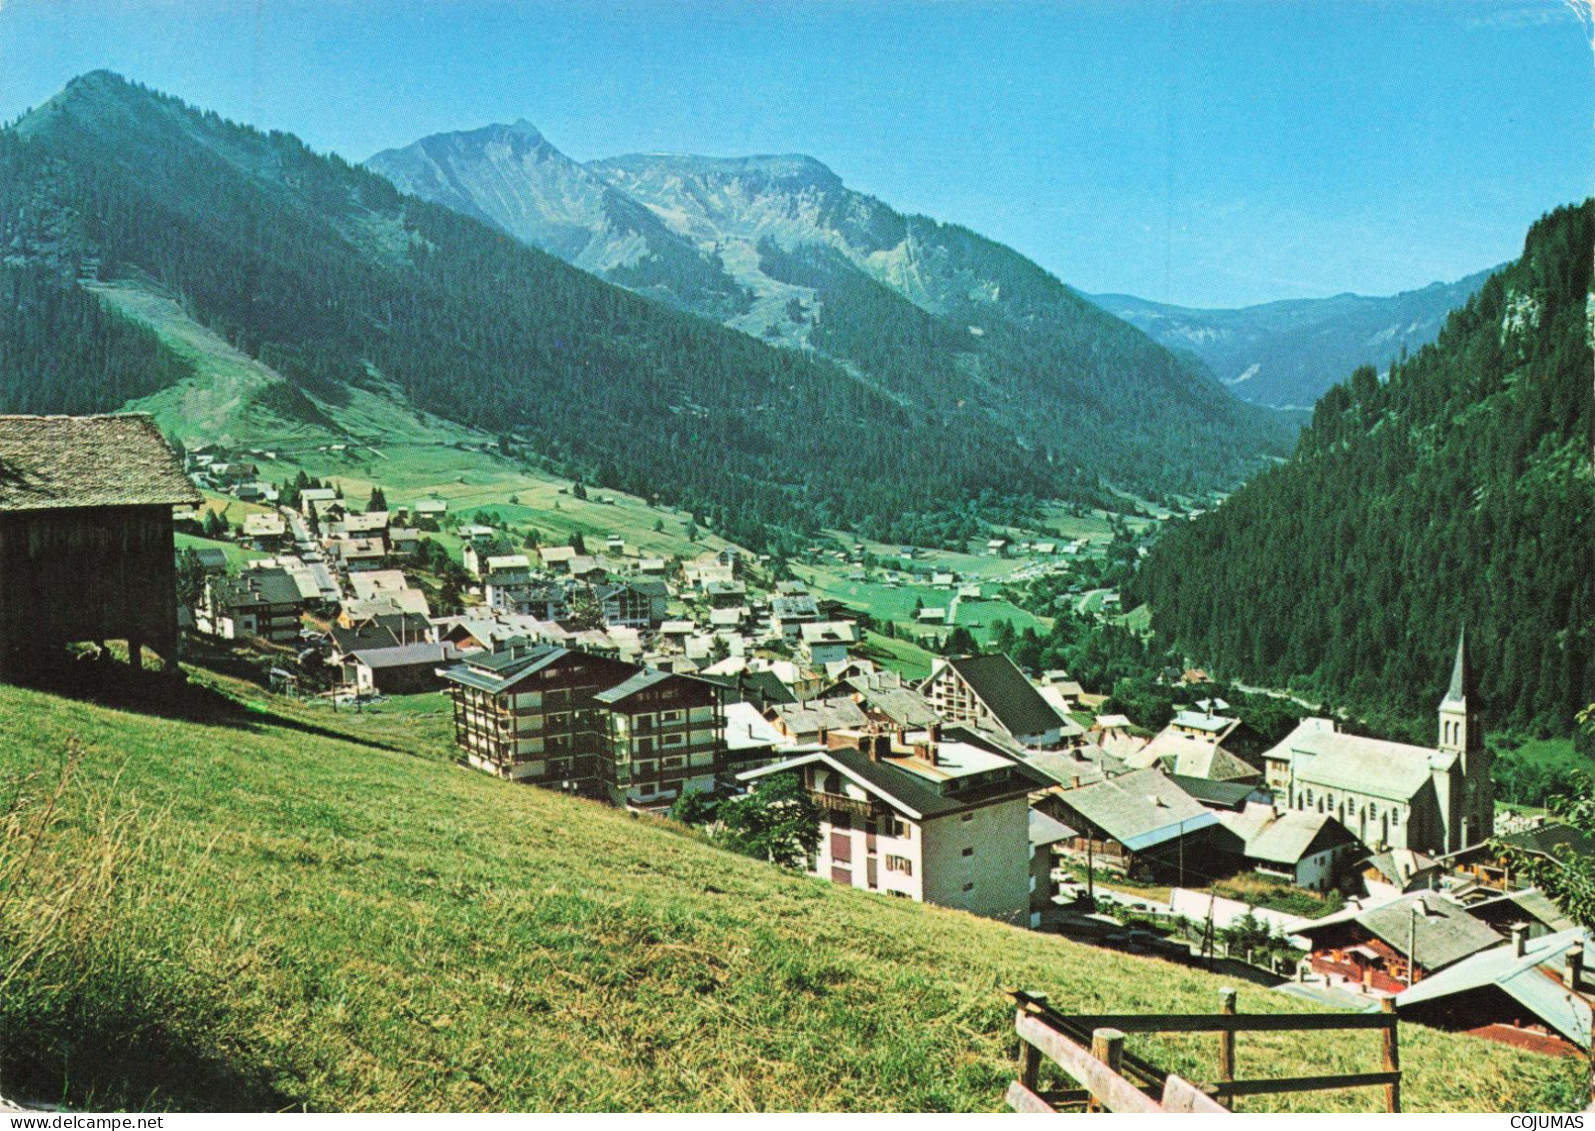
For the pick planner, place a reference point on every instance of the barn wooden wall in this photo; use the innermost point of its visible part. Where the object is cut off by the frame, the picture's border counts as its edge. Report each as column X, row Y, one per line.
column 93, row 573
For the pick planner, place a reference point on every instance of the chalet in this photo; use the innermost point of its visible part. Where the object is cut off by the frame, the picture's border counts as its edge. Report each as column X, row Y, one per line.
column 759, row 689
column 265, row 531
column 477, row 553
column 391, row 630
column 507, row 583
column 789, row 614
column 1386, row 949
column 920, row 818
column 827, row 641
column 1192, row 745
column 404, row 601
column 1310, row 850
column 1397, row 871
column 258, row 602
column 1487, row 864
column 1141, row 824
column 886, row 700
column 211, row 560
column 556, row 559
column 639, row 603
column 726, row 594
column 431, row 508
column 666, row 736
column 1531, row 993
column 811, row 721
column 1391, row 794
column 356, row 554
column 402, row 670
column 528, row 714
column 403, row 540
column 86, row 545
column 990, row 691
column 586, row 567
column 314, row 501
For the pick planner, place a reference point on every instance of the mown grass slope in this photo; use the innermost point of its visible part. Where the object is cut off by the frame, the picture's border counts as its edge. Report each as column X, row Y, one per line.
column 254, row 906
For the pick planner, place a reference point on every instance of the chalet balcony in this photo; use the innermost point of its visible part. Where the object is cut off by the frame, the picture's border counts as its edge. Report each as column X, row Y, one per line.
column 836, row 803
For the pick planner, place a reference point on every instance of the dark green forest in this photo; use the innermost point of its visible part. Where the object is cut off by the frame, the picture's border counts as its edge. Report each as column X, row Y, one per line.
column 325, row 272
column 1457, row 492
column 61, row 351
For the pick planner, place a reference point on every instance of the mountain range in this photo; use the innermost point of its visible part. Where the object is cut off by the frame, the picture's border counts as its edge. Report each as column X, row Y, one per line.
column 928, row 312
column 1288, row 354
column 974, row 385
column 777, row 246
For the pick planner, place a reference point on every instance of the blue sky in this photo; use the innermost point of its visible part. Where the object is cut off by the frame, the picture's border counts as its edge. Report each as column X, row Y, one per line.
column 1196, row 152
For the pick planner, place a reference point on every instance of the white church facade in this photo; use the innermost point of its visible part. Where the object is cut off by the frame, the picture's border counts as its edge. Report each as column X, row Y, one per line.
column 1391, row 794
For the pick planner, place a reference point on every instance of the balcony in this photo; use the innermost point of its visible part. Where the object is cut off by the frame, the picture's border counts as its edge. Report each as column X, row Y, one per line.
column 836, row 803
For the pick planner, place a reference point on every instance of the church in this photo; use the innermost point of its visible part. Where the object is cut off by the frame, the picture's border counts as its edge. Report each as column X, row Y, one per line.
column 1390, row 794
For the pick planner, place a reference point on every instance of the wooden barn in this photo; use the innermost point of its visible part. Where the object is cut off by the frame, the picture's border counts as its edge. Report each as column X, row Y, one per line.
column 86, row 536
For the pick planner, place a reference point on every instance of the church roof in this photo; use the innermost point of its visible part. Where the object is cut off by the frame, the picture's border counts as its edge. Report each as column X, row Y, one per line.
column 1373, row 766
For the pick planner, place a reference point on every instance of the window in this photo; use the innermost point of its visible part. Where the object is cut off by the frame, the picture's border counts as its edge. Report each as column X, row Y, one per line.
column 672, row 740
column 900, row 864
column 900, row 828
column 969, row 852
column 670, row 716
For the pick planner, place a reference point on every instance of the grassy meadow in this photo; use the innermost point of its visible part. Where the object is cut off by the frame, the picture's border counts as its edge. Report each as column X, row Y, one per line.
column 245, row 903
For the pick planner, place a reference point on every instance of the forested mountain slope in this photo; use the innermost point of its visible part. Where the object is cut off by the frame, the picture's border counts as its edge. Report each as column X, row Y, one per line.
column 1459, row 492
column 326, row 274
column 932, row 313
column 1289, row 353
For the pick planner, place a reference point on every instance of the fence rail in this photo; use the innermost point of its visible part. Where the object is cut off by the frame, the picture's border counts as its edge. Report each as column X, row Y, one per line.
column 1089, row 1048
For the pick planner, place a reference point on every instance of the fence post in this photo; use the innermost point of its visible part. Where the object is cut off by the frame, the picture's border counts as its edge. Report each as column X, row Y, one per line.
column 1226, row 1044
column 1107, row 1045
column 1392, row 1055
column 1029, row 1054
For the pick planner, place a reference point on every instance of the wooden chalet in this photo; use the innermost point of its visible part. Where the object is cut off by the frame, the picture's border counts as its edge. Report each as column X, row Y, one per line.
column 86, row 550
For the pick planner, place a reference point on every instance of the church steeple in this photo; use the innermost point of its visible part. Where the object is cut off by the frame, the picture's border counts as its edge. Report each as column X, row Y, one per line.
column 1462, row 736
column 1461, row 689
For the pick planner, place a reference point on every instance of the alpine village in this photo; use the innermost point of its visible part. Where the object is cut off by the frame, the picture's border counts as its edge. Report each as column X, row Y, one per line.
column 449, row 661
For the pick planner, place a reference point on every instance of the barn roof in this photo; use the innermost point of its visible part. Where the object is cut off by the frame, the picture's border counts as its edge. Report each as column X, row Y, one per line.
column 53, row 462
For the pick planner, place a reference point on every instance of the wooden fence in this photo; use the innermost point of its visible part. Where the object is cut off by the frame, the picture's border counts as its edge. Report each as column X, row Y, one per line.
column 1089, row 1048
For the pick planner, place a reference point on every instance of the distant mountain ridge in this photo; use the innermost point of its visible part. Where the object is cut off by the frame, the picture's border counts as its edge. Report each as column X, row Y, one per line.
column 929, row 313
column 1288, row 353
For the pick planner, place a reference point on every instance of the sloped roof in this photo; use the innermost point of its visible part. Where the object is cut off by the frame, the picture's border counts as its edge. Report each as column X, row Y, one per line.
column 1227, row 794
column 1282, row 838
column 406, row 655
column 832, row 714
column 1443, row 932
column 1139, row 809
column 1008, row 695
column 1520, row 976
column 53, row 462
column 1553, row 839
column 1392, row 770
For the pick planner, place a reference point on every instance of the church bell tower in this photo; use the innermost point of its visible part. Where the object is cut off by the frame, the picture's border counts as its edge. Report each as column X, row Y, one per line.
column 1462, row 734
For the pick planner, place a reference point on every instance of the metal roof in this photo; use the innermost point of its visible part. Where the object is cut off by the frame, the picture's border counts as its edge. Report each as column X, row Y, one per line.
column 1520, row 976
